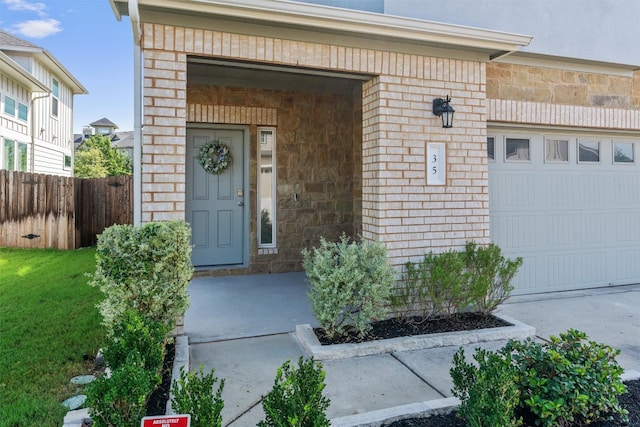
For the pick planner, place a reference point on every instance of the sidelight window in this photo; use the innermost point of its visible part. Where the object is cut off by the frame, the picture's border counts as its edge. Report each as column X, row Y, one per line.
column 266, row 187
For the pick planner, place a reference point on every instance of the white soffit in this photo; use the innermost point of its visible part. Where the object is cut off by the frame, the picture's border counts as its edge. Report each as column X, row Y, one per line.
column 9, row 67
column 345, row 21
column 568, row 64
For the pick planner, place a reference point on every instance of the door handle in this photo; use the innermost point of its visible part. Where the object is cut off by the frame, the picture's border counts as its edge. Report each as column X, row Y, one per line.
column 241, row 203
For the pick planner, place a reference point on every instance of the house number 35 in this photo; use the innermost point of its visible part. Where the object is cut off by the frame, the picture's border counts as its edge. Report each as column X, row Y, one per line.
column 436, row 163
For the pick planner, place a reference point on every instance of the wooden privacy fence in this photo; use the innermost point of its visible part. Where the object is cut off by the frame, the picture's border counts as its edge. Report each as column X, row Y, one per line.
column 48, row 211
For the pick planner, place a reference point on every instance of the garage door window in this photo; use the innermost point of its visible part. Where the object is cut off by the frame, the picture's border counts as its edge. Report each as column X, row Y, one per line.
column 623, row 152
column 556, row 150
column 588, row 151
column 491, row 148
column 516, row 150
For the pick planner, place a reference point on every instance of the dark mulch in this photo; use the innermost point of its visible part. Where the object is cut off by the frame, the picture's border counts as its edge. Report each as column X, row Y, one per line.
column 393, row 328
column 629, row 401
column 157, row 403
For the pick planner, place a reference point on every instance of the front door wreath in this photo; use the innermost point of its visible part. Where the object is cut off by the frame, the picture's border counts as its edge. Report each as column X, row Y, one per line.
column 215, row 157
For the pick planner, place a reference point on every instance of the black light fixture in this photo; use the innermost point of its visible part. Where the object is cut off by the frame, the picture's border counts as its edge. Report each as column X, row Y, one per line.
column 442, row 108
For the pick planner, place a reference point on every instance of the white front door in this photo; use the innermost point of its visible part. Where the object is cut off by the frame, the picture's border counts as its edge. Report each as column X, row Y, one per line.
column 215, row 203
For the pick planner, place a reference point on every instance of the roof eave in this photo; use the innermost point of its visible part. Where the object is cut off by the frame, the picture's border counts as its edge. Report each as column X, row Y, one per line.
column 53, row 63
column 347, row 21
column 15, row 71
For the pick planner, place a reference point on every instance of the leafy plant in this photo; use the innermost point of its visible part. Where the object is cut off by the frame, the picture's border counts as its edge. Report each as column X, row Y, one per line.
column 134, row 353
column 135, row 335
column 350, row 284
column 96, row 158
column 144, row 268
column 438, row 285
column 193, row 394
column 447, row 283
column 296, row 399
column 490, row 275
column 570, row 379
column 487, row 392
column 120, row 400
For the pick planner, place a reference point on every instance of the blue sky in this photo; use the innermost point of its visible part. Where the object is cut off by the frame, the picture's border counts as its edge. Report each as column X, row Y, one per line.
column 86, row 38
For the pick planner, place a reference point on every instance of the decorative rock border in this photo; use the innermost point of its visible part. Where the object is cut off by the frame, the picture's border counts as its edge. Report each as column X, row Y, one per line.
column 310, row 343
column 417, row 410
column 181, row 360
column 389, row 415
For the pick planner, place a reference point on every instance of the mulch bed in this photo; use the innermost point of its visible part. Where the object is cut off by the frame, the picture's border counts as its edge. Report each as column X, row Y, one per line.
column 629, row 401
column 157, row 403
column 393, row 328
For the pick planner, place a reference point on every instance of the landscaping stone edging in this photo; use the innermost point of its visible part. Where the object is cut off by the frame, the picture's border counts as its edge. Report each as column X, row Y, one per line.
column 309, row 342
column 181, row 360
column 389, row 415
column 417, row 410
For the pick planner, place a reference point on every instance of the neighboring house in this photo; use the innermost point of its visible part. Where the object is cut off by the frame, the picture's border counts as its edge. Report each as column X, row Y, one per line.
column 36, row 109
column 120, row 140
column 328, row 115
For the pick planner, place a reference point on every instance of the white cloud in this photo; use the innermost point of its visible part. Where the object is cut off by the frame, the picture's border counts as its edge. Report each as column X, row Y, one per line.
column 36, row 7
column 39, row 28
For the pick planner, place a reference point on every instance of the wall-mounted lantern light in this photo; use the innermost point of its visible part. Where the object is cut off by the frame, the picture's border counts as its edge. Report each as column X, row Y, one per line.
column 442, row 108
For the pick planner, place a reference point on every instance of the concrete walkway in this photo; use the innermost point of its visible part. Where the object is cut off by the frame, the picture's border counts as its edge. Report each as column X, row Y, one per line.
column 242, row 326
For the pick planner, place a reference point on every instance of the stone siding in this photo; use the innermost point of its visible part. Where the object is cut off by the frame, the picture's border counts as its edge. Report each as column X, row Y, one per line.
column 317, row 156
column 561, row 87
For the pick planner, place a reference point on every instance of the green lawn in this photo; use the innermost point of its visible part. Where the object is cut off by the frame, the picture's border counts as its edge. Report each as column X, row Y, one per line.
column 48, row 320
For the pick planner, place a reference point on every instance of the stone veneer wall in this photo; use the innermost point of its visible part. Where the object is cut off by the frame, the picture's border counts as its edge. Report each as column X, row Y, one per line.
column 398, row 207
column 562, row 87
column 551, row 97
column 316, row 150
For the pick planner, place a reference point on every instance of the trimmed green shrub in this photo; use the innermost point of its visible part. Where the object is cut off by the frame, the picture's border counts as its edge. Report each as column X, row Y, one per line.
column 144, row 268
column 487, row 392
column 570, row 379
column 436, row 286
column 193, row 394
column 490, row 275
column 120, row 400
column 350, row 284
column 135, row 335
column 296, row 399
column 479, row 278
column 134, row 353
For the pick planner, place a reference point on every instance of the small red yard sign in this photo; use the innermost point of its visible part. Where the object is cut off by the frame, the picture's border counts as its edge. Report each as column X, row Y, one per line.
column 167, row 421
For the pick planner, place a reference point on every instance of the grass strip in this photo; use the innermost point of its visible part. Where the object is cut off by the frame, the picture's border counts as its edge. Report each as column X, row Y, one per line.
column 48, row 321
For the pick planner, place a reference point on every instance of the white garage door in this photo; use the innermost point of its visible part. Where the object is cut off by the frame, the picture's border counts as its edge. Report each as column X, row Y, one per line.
column 569, row 205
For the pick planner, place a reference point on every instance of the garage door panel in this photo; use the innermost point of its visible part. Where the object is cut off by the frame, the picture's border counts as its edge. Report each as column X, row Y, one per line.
column 626, row 225
column 515, row 191
column 627, row 262
column 626, row 189
column 526, row 279
column 576, row 225
column 575, row 229
column 515, row 231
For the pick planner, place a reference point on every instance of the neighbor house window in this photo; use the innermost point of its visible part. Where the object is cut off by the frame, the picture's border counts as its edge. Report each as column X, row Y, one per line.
column 556, row 150
column 55, row 96
column 516, row 149
column 23, row 112
column 9, row 156
column 588, row 151
column 491, row 148
column 22, row 157
column 266, row 187
column 623, row 152
column 67, row 162
column 10, row 106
